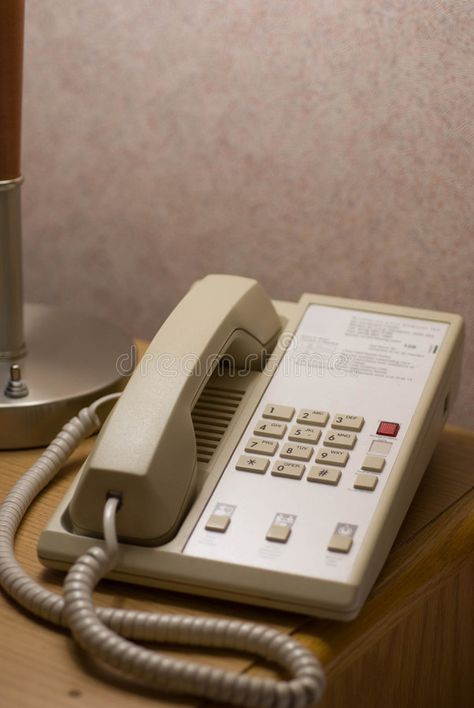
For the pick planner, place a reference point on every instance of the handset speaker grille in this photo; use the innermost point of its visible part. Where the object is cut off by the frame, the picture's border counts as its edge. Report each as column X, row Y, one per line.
column 212, row 414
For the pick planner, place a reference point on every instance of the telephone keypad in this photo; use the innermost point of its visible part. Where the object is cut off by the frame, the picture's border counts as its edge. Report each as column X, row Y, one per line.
column 269, row 429
column 295, row 451
column 278, row 412
column 263, row 447
column 304, row 435
column 301, row 440
column 292, row 470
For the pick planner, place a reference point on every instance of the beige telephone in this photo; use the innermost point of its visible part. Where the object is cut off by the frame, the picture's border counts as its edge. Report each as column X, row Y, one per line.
column 283, row 487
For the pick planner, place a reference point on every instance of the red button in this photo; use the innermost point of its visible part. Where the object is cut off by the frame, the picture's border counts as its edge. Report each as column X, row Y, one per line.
column 390, row 429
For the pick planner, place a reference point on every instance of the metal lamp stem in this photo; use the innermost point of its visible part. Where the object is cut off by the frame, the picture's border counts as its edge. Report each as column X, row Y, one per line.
column 12, row 343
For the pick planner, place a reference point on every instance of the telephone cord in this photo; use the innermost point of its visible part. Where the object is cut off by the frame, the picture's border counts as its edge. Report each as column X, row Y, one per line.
column 107, row 632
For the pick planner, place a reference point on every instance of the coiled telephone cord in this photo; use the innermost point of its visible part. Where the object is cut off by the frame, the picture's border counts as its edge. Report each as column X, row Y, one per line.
column 106, row 633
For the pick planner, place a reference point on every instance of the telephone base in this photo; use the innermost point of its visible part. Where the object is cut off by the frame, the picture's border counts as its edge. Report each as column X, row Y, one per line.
column 227, row 594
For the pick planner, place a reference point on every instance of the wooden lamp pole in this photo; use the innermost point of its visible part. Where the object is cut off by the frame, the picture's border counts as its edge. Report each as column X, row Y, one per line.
column 52, row 362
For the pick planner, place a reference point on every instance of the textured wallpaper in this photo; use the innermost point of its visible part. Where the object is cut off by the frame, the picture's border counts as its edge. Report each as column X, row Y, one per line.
column 321, row 146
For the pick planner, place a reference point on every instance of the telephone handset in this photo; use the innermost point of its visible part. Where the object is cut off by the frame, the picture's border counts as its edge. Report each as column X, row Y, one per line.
column 146, row 451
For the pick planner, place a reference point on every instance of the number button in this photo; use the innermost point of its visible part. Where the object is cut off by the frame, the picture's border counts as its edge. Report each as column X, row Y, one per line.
column 304, row 435
column 268, row 429
column 344, row 440
column 263, row 447
column 293, row 470
column 342, row 421
column 310, row 417
column 332, row 457
column 294, row 451
column 278, row 412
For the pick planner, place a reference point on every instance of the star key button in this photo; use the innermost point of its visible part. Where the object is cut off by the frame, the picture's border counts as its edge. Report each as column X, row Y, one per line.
column 249, row 463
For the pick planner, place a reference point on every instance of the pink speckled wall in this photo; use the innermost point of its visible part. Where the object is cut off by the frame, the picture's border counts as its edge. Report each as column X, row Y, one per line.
column 319, row 146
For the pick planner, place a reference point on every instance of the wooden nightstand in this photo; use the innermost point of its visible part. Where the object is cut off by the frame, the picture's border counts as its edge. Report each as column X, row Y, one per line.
column 412, row 645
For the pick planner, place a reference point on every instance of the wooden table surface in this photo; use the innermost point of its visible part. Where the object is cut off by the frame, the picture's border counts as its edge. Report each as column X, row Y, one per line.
column 410, row 646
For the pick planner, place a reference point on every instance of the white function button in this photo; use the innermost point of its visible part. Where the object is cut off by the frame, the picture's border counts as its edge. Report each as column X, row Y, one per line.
column 340, row 544
column 306, row 415
column 292, row 470
column 218, row 522
column 332, row 457
column 294, row 451
column 249, row 463
column 278, row 533
column 278, row 412
column 340, row 439
column 366, row 481
column 299, row 433
column 373, row 463
column 324, row 475
column 269, row 429
column 263, row 447
column 380, row 447
column 343, row 421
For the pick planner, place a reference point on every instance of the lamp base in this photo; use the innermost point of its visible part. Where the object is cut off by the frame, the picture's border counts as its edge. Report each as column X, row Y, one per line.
column 71, row 360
